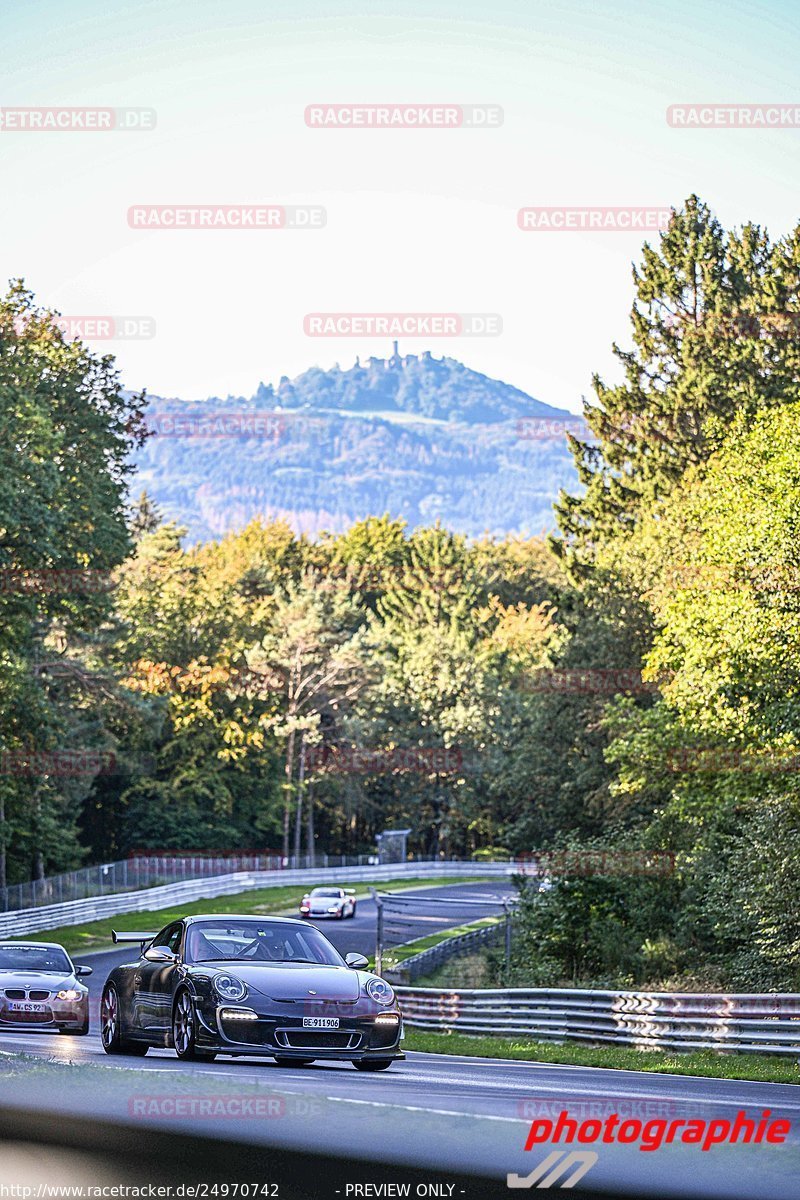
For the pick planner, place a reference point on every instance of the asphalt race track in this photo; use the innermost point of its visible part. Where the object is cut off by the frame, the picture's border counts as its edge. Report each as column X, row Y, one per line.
column 443, row 1113
column 355, row 934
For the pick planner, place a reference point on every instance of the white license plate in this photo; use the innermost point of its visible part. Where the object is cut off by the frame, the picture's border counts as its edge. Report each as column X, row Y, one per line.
column 26, row 1006
column 320, row 1022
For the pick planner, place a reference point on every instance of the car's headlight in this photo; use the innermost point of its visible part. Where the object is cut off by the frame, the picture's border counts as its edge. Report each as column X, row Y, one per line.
column 335, row 908
column 379, row 991
column 228, row 987
column 69, row 994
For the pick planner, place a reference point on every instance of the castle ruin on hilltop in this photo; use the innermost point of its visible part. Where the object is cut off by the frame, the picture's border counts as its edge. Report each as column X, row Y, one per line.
column 395, row 360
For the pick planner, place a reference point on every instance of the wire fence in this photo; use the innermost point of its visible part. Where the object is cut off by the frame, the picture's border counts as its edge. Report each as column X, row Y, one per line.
column 154, row 870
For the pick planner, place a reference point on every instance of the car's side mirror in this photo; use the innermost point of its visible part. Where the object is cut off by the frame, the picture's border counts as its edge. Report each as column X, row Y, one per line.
column 357, row 961
column 83, row 971
column 160, row 954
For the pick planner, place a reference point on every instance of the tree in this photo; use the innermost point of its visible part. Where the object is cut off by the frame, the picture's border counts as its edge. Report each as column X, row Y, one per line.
column 66, row 432
column 311, row 659
column 711, row 340
column 715, row 760
column 145, row 516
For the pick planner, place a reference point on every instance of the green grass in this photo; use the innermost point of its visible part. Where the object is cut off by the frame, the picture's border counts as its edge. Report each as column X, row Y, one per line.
column 398, row 954
column 96, row 935
column 765, row 1068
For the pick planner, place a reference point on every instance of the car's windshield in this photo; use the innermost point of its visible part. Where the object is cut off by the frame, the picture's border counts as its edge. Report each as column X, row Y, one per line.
column 34, row 958
column 259, row 942
column 326, row 893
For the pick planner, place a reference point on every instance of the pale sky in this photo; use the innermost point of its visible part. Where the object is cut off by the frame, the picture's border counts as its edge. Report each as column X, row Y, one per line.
column 417, row 220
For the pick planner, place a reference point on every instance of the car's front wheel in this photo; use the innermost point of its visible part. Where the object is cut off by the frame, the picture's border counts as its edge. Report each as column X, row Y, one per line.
column 372, row 1064
column 184, row 1031
column 111, row 1027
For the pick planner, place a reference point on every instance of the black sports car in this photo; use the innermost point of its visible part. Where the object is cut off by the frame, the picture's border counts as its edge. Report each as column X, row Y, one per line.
column 273, row 987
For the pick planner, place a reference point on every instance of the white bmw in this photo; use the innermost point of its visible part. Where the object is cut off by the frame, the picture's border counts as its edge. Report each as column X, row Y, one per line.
column 40, row 988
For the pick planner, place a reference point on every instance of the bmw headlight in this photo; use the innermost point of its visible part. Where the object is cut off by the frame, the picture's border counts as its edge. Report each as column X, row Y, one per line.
column 379, row 991
column 69, row 994
column 228, row 987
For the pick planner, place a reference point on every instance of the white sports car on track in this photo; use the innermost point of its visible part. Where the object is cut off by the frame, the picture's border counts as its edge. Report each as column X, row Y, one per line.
column 329, row 902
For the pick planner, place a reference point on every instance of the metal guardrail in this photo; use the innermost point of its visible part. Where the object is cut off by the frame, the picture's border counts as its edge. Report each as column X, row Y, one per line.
column 80, row 912
column 755, row 1023
column 154, row 870
column 434, row 957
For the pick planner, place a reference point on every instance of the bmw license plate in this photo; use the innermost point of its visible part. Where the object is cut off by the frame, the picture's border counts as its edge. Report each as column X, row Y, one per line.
column 26, row 1006
column 320, row 1022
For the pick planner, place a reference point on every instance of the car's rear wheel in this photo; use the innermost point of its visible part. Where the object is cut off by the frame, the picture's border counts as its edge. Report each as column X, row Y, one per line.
column 353, row 913
column 111, row 1027
column 282, row 1061
column 372, row 1064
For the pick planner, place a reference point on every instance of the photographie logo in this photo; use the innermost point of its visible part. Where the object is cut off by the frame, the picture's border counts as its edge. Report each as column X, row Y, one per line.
column 599, row 219
column 402, row 324
column 651, row 1135
column 246, row 423
column 561, row 1167
column 106, row 328
column 734, row 116
column 77, row 120
column 549, row 429
column 403, row 116
column 227, row 216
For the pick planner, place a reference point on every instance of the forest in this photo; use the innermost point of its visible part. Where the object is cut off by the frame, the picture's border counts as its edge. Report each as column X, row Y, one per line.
column 625, row 689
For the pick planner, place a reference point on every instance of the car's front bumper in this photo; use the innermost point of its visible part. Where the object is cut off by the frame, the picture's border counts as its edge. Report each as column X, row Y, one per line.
column 277, row 1034
column 57, row 1014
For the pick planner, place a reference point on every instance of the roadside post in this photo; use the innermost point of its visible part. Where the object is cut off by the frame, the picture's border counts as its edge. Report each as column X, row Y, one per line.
column 378, row 932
